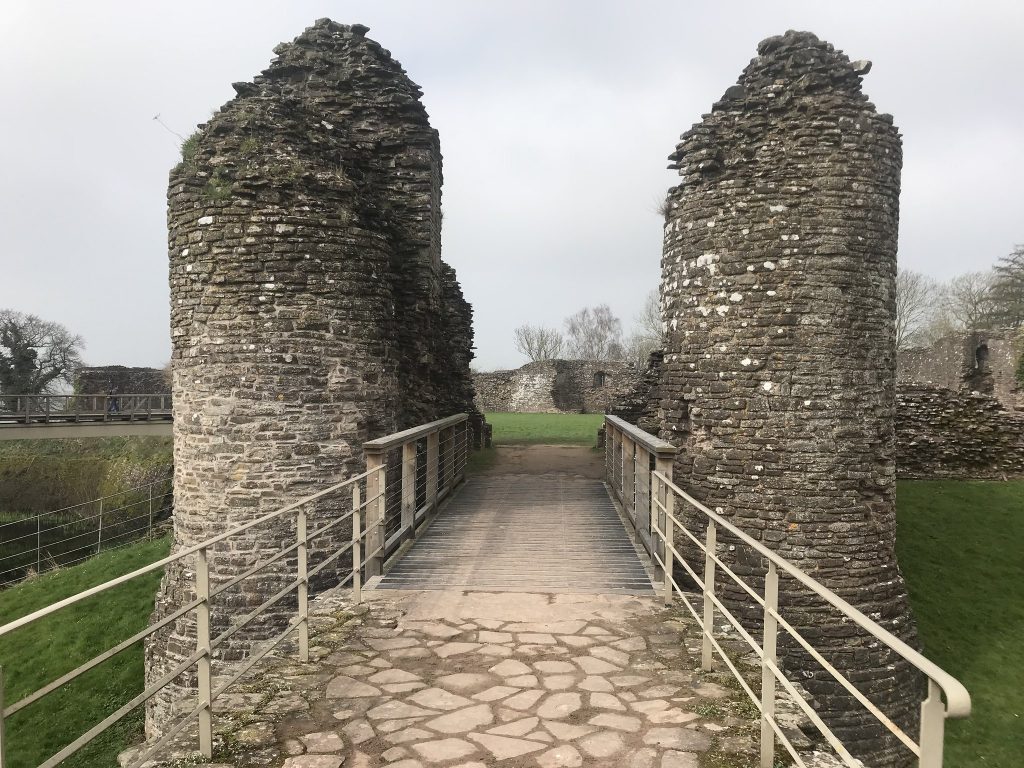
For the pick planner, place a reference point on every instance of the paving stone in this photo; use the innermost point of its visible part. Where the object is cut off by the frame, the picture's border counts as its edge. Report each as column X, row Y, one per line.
column 562, row 756
column 641, row 758
column 410, row 653
column 540, row 736
column 462, row 720
column 293, row 747
column 487, row 636
column 611, row 655
column 442, row 631
column 408, row 734
column 438, row 698
column 547, row 627
column 602, row 744
column 673, row 759
column 658, row 691
column 344, row 687
column 314, row 761
column 494, row 650
column 323, row 741
column 675, row 716
column 606, row 701
column 389, row 726
column 357, row 670
column 464, row 681
column 506, row 747
column 509, row 668
column 516, row 728
column 395, row 753
column 630, row 644
column 577, row 641
column 536, row 638
column 618, row 722
column 495, row 693
column 594, row 666
column 627, row 681
column 382, row 663
column 558, row 682
column 443, row 750
column 554, row 667
column 343, row 714
column 682, row 739
column 523, row 700
column 654, row 705
column 358, row 731
column 454, row 649
column 490, row 623
column 522, row 681
column 390, row 644
column 567, row 732
column 403, row 687
column 392, row 676
column 627, row 696
column 595, row 683
column 559, row 705
column 394, row 710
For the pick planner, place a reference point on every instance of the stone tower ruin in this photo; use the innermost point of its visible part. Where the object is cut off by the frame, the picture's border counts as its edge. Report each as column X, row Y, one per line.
column 310, row 308
column 778, row 378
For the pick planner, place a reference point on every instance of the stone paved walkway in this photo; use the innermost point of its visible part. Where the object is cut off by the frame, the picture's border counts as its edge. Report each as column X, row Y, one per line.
column 476, row 679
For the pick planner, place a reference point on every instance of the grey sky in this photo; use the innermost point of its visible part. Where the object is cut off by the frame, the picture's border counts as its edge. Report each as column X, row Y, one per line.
column 555, row 122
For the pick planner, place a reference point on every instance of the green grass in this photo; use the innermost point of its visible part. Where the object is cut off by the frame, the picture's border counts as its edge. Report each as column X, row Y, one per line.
column 41, row 652
column 961, row 548
column 545, row 428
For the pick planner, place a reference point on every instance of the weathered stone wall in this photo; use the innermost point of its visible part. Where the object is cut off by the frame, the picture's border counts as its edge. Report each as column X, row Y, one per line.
column 943, row 433
column 555, row 386
column 641, row 404
column 310, row 309
column 979, row 361
column 779, row 375
column 99, row 380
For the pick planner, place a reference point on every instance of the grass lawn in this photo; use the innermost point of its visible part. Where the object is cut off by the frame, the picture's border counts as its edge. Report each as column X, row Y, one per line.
column 41, row 652
column 545, row 428
column 961, row 548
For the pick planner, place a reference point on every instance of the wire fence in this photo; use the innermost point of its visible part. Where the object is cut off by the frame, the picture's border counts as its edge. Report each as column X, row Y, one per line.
column 37, row 543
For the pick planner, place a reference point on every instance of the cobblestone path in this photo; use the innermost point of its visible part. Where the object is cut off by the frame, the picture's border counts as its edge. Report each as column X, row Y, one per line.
column 475, row 679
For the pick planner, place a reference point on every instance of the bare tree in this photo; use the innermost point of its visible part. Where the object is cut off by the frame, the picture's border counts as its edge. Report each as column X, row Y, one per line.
column 594, row 333
column 538, row 342
column 968, row 301
column 35, row 354
column 647, row 335
column 915, row 303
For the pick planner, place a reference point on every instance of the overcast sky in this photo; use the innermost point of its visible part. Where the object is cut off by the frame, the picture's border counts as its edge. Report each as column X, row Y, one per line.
column 555, row 119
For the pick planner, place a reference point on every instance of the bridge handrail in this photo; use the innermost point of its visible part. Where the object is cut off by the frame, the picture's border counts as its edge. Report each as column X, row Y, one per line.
column 663, row 493
column 372, row 502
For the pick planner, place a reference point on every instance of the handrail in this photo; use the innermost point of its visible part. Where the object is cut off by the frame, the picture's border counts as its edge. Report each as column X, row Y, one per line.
column 648, row 494
column 653, row 444
column 446, row 451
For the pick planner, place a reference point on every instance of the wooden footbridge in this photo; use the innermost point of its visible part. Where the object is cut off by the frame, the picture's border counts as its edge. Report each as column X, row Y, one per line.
column 33, row 417
column 421, row 521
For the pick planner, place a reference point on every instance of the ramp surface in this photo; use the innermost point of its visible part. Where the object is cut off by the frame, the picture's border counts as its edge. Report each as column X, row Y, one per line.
column 551, row 533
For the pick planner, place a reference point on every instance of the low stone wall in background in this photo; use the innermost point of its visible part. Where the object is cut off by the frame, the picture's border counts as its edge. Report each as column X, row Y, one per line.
column 943, row 433
column 99, row 380
column 556, row 386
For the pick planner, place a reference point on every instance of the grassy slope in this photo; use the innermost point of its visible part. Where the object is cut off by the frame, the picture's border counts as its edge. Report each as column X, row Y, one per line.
column 545, row 428
column 33, row 656
column 961, row 548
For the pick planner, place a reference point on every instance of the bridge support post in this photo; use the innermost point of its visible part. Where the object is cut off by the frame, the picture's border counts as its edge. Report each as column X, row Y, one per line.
column 433, row 456
column 376, row 485
column 409, row 490
column 448, row 436
column 357, row 546
column 629, row 479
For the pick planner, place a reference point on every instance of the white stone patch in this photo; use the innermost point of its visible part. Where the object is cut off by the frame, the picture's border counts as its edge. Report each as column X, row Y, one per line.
column 771, row 293
column 722, row 309
column 184, row 252
column 769, row 265
column 746, row 361
column 750, row 268
column 776, row 208
column 704, row 311
column 205, row 220
column 746, row 231
column 327, row 125
column 188, row 268
column 711, row 223
column 736, row 298
column 767, row 386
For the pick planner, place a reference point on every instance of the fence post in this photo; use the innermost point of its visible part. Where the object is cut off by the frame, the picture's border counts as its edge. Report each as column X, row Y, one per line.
column 408, row 489
column 151, row 510
column 39, row 543
column 203, row 646
column 933, row 724
column 99, row 535
column 670, row 532
column 769, row 645
column 629, row 479
column 303, row 588
column 357, row 554
column 709, row 590
column 376, row 487
column 433, row 454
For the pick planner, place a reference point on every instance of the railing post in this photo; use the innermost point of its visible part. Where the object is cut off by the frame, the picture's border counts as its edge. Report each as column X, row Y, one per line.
column 151, row 510
column 39, row 543
column 933, row 724
column 376, row 486
column 303, row 588
column 409, row 489
column 3, row 758
column 357, row 546
column 710, row 543
column 99, row 535
column 670, row 532
column 432, row 458
column 769, row 646
column 629, row 478
column 449, row 464
column 203, row 646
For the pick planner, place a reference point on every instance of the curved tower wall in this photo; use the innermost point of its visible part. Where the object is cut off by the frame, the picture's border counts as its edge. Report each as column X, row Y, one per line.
column 778, row 379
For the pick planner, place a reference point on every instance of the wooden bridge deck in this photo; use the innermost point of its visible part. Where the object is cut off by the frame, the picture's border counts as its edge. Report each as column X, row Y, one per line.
column 545, row 533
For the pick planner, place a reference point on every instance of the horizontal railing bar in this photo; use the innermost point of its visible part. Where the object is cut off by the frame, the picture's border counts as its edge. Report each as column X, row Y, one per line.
column 97, row 660
column 958, row 700
column 253, row 614
column 108, row 721
column 398, row 438
column 661, row 448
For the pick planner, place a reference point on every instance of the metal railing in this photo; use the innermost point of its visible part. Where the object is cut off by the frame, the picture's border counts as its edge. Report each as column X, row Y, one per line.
column 72, row 534
column 662, row 496
column 446, row 442
column 61, row 409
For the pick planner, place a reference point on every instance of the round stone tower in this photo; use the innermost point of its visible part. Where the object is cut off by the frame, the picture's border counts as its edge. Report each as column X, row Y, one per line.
column 310, row 312
column 778, row 384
